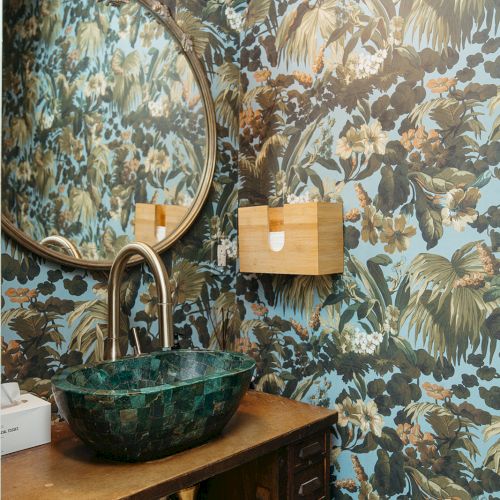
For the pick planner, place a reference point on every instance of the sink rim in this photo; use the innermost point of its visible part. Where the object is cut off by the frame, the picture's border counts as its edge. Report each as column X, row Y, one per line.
column 60, row 381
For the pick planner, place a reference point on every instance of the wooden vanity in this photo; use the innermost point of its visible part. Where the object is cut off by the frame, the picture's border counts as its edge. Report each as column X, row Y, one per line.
column 272, row 449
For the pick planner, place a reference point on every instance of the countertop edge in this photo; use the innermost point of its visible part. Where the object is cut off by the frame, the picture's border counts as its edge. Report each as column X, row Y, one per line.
column 230, row 462
column 310, row 420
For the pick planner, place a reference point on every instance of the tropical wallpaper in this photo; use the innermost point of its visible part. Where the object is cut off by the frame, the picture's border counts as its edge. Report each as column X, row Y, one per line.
column 101, row 112
column 392, row 107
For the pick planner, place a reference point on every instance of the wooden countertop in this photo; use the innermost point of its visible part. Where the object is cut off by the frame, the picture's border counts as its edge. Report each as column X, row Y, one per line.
column 67, row 469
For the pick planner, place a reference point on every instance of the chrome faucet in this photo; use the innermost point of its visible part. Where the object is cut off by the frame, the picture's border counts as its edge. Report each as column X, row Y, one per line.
column 165, row 327
column 63, row 243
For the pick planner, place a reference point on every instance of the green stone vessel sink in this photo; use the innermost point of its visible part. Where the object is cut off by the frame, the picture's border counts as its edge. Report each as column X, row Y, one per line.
column 147, row 407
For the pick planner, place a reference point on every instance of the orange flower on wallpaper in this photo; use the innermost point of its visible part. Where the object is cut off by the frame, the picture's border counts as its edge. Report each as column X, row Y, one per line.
column 244, row 345
column 440, row 85
column 433, row 138
column 319, row 61
column 407, row 139
column 352, row 215
column 259, row 309
column 363, row 198
column 413, row 434
column 403, row 431
column 420, row 137
column 12, row 357
column 300, row 330
column 417, row 437
column 436, row 391
column 249, row 116
column 262, row 75
column 303, row 78
column 21, row 295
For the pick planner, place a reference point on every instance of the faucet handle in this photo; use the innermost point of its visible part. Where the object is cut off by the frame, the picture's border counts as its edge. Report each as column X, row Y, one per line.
column 133, row 338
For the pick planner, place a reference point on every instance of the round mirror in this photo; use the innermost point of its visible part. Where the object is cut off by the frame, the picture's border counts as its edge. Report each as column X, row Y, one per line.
column 108, row 127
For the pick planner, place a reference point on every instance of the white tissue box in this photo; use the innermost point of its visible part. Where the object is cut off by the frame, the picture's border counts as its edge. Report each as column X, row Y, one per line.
column 25, row 425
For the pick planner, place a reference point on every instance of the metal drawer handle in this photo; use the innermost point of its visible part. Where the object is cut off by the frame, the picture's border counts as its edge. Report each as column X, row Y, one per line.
column 309, row 486
column 310, row 450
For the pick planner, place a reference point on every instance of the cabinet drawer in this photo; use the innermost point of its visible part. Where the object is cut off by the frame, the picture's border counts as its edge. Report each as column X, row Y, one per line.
column 308, row 451
column 309, row 483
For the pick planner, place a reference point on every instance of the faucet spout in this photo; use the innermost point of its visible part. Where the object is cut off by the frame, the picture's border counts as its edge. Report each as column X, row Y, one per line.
column 165, row 327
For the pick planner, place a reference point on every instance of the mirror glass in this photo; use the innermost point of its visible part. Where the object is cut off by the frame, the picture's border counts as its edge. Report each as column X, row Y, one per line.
column 104, row 126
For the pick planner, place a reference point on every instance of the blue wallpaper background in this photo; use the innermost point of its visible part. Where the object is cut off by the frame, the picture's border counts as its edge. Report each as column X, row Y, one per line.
column 392, row 107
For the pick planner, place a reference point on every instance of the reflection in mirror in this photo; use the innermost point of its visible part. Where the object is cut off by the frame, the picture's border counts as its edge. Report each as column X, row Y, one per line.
column 104, row 128
column 152, row 222
column 61, row 244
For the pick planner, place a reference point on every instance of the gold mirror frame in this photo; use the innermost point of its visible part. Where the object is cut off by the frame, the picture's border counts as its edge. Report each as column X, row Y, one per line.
column 163, row 14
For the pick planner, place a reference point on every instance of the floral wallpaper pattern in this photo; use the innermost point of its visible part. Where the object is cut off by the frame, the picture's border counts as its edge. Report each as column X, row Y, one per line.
column 392, row 106
column 101, row 112
column 54, row 316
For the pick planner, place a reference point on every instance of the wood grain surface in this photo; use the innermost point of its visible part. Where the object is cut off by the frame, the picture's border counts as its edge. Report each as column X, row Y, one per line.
column 67, row 469
column 314, row 242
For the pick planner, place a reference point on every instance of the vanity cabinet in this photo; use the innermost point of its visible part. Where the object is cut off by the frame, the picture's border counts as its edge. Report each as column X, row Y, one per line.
column 272, row 449
column 309, row 467
column 298, row 471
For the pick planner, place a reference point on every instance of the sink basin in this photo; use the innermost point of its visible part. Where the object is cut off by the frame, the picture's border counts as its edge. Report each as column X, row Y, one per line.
column 142, row 408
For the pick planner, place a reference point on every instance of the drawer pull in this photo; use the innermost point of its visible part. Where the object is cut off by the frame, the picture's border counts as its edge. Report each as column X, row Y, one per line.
column 309, row 486
column 310, row 450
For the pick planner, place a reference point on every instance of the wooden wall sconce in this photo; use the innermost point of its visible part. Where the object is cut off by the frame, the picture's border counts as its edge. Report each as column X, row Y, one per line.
column 153, row 223
column 302, row 238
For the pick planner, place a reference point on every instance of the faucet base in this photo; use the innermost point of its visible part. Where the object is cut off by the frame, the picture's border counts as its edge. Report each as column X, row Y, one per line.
column 111, row 349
